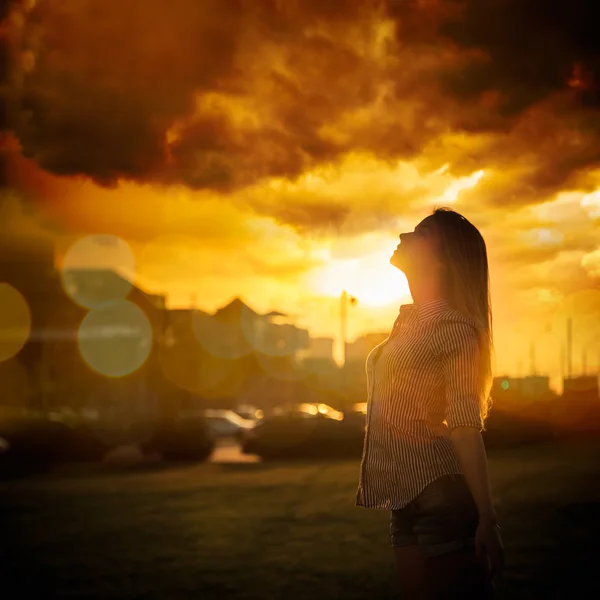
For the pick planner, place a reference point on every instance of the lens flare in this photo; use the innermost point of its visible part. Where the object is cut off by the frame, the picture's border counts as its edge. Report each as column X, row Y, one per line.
column 15, row 321
column 98, row 271
column 116, row 340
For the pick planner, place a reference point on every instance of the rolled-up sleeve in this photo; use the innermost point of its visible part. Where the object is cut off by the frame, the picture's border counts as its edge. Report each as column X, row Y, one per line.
column 458, row 345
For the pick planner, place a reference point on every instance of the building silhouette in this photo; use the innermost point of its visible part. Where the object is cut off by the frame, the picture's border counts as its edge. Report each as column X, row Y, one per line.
column 528, row 387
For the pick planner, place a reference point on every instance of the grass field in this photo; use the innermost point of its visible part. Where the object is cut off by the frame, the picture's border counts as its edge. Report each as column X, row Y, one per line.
column 276, row 530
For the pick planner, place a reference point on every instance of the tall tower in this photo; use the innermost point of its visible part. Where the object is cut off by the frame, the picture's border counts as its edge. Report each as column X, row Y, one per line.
column 569, row 348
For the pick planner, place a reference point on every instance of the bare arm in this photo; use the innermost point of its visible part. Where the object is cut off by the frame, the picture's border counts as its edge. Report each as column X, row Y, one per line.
column 470, row 452
column 459, row 350
column 460, row 359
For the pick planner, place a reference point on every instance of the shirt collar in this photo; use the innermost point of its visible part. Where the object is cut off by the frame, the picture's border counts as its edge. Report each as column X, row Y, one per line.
column 425, row 310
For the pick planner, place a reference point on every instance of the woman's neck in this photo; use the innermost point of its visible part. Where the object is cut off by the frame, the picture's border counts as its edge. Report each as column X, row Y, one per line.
column 426, row 290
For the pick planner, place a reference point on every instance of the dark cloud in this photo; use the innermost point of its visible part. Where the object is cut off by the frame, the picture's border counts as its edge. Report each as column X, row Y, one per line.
column 222, row 94
column 542, row 62
column 217, row 94
column 110, row 84
column 530, row 48
column 528, row 77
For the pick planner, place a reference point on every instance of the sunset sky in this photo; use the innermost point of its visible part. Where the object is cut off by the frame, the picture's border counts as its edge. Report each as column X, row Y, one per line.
column 275, row 149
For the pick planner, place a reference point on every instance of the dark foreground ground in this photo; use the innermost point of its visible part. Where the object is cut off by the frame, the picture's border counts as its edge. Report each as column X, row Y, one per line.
column 271, row 531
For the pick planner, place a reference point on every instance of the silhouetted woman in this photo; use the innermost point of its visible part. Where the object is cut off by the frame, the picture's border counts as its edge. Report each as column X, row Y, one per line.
column 428, row 395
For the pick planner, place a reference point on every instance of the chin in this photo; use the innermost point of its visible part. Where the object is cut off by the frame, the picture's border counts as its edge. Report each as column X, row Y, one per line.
column 397, row 261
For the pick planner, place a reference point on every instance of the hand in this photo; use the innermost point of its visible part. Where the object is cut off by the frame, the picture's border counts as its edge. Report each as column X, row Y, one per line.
column 488, row 543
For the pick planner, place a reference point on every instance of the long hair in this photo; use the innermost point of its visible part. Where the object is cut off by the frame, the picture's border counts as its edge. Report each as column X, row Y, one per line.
column 467, row 283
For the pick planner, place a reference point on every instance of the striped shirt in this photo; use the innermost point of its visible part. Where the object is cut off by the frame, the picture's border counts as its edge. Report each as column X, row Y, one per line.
column 422, row 381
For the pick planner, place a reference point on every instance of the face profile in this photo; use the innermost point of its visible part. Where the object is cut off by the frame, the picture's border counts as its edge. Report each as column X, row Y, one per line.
column 445, row 257
column 419, row 249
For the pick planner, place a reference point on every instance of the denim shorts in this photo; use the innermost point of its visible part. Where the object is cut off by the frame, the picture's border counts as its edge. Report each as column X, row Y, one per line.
column 443, row 518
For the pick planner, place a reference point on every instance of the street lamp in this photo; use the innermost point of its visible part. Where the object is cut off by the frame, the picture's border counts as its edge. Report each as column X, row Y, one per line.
column 569, row 347
column 345, row 298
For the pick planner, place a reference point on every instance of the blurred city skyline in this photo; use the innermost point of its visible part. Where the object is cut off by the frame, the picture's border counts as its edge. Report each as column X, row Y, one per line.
column 94, row 287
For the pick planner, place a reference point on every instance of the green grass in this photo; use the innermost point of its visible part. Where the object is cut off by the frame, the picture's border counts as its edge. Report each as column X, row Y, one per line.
column 274, row 530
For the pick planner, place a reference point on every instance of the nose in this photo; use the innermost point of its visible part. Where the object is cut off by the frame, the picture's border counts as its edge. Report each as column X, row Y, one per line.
column 403, row 237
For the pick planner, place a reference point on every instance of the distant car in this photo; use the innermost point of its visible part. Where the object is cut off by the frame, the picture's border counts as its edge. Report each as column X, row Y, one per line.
column 227, row 423
column 356, row 417
column 247, row 411
column 299, row 434
column 360, row 407
column 184, row 438
column 308, row 410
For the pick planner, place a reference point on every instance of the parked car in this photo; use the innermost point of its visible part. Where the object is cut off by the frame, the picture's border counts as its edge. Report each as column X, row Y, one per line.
column 357, row 416
column 307, row 410
column 183, row 438
column 227, row 423
column 248, row 411
column 298, row 434
column 34, row 444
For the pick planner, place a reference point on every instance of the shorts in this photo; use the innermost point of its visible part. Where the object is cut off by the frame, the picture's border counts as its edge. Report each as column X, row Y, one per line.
column 443, row 518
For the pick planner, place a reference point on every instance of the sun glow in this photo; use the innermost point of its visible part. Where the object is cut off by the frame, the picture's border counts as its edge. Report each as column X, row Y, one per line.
column 370, row 279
